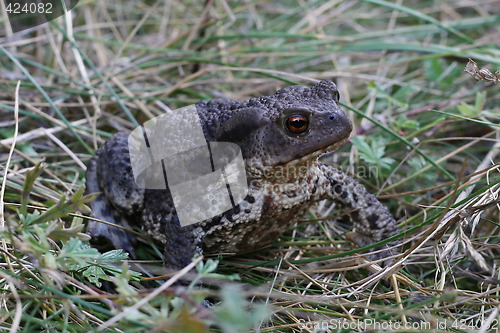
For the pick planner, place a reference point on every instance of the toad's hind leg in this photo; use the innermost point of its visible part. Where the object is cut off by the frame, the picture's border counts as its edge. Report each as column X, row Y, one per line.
column 120, row 199
column 371, row 219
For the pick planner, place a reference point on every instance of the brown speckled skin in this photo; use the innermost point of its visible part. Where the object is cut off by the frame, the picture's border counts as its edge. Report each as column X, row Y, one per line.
column 284, row 178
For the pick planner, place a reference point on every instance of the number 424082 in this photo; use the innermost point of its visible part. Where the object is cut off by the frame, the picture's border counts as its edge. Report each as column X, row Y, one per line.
column 29, row 8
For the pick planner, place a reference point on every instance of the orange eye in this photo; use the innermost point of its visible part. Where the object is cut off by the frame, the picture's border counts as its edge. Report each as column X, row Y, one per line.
column 297, row 124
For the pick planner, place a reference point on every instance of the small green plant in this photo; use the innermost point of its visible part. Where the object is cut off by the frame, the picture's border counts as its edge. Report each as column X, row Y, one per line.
column 473, row 111
column 55, row 251
column 372, row 151
column 53, row 244
column 441, row 72
column 44, row 251
column 234, row 315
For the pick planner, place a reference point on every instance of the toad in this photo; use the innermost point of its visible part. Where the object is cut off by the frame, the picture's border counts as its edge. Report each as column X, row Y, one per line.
column 281, row 137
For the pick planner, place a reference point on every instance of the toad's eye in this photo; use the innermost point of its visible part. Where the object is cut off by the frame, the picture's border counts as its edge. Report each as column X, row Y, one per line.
column 297, row 124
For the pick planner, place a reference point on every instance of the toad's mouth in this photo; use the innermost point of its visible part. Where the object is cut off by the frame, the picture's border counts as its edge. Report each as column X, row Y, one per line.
column 335, row 146
column 294, row 169
column 315, row 154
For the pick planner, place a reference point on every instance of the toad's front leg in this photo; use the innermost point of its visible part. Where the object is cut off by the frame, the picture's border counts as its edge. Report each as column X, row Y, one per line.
column 371, row 219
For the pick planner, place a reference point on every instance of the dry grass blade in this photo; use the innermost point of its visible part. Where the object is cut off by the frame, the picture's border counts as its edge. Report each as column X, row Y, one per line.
column 483, row 74
column 152, row 295
column 11, row 151
column 469, row 215
column 12, row 287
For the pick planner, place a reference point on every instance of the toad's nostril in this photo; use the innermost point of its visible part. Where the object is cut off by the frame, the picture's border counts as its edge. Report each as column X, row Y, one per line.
column 332, row 117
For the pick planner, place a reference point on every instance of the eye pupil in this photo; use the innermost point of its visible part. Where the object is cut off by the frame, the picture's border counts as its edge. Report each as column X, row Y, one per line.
column 297, row 124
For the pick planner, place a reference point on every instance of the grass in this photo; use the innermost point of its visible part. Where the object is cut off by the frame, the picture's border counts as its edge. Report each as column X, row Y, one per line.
column 425, row 142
